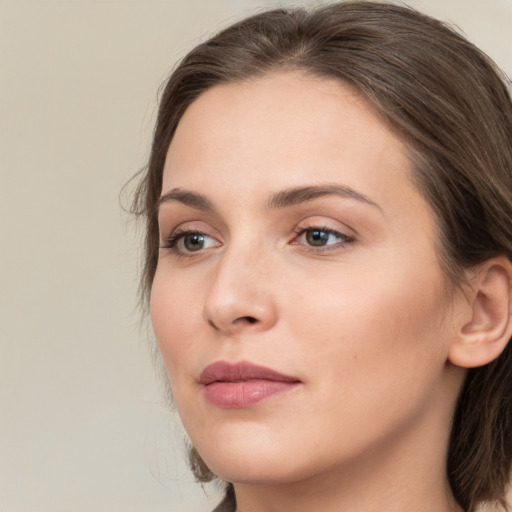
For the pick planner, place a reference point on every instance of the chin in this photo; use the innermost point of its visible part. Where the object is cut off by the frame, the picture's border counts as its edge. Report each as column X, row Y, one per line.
column 251, row 461
column 256, row 472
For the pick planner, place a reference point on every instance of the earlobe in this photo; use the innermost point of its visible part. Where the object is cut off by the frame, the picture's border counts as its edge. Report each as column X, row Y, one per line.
column 483, row 337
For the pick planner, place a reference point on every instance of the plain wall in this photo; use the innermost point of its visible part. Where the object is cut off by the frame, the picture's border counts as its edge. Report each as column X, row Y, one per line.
column 82, row 423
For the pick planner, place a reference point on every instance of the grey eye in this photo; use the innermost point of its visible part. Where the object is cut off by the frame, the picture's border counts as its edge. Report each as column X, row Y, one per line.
column 193, row 242
column 317, row 237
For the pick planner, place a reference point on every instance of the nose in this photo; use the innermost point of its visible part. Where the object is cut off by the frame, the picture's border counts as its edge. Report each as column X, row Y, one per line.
column 242, row 294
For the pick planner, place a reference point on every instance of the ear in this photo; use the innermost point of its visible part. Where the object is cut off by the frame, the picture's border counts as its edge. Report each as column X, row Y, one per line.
column 485, row 325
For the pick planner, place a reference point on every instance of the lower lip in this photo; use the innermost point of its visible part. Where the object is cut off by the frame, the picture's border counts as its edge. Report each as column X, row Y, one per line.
column 238, row 395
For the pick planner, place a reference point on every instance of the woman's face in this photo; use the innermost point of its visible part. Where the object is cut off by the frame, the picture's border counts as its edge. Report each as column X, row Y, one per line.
column 298, row 302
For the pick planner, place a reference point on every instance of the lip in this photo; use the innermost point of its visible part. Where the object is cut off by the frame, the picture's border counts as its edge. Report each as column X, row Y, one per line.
column 244, row 384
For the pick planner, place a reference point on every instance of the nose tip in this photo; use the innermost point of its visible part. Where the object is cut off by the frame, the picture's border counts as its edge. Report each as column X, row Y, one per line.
column 234, row 302
column 228, row 319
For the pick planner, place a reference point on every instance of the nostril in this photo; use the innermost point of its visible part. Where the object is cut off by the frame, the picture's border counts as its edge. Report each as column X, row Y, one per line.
column 248, row 319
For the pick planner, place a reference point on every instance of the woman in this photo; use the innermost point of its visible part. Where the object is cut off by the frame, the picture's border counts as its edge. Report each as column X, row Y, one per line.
column 328, row 261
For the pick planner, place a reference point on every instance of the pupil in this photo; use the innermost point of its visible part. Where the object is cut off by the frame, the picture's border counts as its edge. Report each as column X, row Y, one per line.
column 194, row 242
column 317, row 238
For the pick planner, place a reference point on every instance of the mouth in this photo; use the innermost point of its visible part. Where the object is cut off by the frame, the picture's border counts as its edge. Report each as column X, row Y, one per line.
column 242, row 385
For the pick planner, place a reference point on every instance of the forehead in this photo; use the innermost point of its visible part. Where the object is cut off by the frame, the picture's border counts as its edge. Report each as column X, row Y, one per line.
column 283, row 130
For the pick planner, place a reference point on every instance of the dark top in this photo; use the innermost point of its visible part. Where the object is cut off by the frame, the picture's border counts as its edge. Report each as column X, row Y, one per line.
column 228, row 504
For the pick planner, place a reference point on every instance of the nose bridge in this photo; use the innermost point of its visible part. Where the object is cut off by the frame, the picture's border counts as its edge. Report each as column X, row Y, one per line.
column 240, row 294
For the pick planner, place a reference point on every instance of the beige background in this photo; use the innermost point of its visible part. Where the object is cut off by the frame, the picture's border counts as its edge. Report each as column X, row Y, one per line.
column 82, row 425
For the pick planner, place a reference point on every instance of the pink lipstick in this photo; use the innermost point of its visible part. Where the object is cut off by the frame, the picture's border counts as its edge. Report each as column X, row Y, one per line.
column 240, row 385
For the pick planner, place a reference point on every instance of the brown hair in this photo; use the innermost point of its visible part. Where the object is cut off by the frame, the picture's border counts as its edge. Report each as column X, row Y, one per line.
column 451, row 106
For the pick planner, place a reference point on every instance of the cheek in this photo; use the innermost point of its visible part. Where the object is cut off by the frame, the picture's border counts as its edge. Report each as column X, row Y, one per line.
column 375, row 353
column 175, row 317
column 374, row 325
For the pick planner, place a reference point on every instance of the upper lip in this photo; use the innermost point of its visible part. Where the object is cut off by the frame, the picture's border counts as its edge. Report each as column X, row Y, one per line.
column 223, row 371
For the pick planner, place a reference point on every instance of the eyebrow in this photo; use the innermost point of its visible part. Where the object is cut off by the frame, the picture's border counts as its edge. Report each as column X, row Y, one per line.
column 297, row 195
column 192, row 199
column 282, row 199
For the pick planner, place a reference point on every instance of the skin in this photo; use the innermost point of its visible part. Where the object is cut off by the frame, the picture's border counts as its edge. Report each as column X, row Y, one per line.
column 365, row 322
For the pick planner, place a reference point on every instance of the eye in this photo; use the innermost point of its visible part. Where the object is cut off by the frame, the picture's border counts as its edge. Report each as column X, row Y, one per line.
column 185, row 242
column 318, row 238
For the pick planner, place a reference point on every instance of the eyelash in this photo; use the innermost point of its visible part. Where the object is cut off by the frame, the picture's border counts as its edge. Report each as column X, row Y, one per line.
column 177, row 235
column 173, row 239
column 344, row 240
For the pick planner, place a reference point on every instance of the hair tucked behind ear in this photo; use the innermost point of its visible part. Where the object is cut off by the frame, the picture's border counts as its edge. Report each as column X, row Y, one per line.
column 447, row 101
column 481, row 441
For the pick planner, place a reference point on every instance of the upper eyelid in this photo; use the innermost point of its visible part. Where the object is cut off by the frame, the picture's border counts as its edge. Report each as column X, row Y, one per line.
column 330, row 224
column 300, row 226
column 178, row 233
column 208, row 221
column 301, row 230
column 169, row 227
